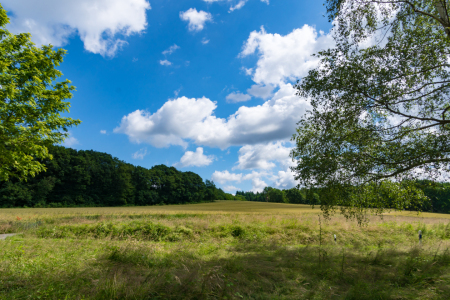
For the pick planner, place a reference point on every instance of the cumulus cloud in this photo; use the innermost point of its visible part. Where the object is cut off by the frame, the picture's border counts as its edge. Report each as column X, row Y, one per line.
column 231, row 189
column 280, row 59
column 225, row 176
column 182, row 120
column 261, row 91
column 196, row 159
column 196, row 19
column 237, row 97
column 70, row 142
column 205, row 41
column 140, row 154
column 103, row 131
column 258, row 185
column 165, row 62
column 101, row 24
column 284, row 58
column 262, row 156
column 285, row 180
column 171, row 49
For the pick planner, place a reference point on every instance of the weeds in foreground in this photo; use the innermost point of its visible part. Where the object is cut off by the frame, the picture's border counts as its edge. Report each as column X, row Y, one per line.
column 224, row 256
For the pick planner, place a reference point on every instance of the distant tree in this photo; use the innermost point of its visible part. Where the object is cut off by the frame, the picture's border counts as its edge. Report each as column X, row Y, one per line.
column 90, row 178
column 276, row 195
column 210, row 190
column 240, row 198
column 439, row 194
column 31, row 101
column 294, row 195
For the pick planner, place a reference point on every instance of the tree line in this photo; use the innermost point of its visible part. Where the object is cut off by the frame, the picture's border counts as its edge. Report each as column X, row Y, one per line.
column 438, row 194
column 91, row 178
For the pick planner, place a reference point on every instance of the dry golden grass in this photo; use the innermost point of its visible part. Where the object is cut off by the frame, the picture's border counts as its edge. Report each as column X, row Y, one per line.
column 221, row 250
column 217, row 207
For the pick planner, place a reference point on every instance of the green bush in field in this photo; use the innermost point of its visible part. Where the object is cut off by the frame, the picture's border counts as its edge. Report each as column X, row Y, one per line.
column 142, row 230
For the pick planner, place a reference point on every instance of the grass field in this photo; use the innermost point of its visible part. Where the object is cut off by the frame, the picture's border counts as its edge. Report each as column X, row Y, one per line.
column 221, row 250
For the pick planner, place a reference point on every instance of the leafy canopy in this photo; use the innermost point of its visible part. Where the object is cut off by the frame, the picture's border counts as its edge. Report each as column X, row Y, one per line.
column 31, row 100
column 380, row 113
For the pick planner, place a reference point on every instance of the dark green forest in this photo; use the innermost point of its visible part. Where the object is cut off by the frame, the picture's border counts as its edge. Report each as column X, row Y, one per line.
column 437, row 192
column 90, row 178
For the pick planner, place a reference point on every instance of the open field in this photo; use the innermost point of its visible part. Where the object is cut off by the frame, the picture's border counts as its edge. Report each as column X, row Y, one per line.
column 222, row 250
column 218, row 207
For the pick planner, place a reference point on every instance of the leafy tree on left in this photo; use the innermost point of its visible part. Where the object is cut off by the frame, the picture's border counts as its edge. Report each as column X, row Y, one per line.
column 31, row 101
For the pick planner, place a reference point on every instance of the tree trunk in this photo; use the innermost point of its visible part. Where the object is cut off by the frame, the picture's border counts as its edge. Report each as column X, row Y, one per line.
column 441, row 6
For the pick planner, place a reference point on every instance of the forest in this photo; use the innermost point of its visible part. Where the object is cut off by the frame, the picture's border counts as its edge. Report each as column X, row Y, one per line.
column 438, row 194
column 91, row 178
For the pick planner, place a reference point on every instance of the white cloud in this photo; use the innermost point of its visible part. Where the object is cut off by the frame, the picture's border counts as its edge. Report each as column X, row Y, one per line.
column 231, row 189
column 248, row 72
column 101, row 24
column 261, row 91
column 258, row 185
column 285, row 58
column 140, row 154
column 254, row 175
column 238, row 3
column 262, row 156
column 196, row 19
column 196, row 159
column 171, row 49
column 285, row 180
column 70, row 142
column 103, row 131
column 237, row 97
column 225, row 176
column 205, row 41
column 165, row 62
column 182, row 120
column 282, row 179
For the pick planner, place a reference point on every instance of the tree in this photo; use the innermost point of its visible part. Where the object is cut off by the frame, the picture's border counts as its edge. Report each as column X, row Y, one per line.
column 276, row 195
column 295, row 196
column 31, row 100
column 380, row 103
column 90, row 178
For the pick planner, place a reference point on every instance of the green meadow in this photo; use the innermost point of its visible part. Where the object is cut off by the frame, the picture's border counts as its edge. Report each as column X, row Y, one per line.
column 221, row 250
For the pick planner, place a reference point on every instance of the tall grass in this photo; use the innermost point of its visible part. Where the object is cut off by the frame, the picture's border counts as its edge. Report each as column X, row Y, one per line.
column 222, row 255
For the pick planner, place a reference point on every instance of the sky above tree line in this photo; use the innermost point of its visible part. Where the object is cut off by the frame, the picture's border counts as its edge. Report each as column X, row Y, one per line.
column 202, row 85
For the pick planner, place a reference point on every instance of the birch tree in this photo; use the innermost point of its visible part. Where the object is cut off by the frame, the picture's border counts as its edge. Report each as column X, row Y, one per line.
column 380, row 113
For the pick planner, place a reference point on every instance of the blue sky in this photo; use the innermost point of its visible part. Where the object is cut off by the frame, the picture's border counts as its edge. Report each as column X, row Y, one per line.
column 203, row 85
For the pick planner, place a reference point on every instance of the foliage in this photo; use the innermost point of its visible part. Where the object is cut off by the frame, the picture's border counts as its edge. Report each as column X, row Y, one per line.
column 439, row 195
column 380, row 101
column 31, row 101
column 90, row 178
column 276, row 195
column 385, row 194
column 294, row 195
